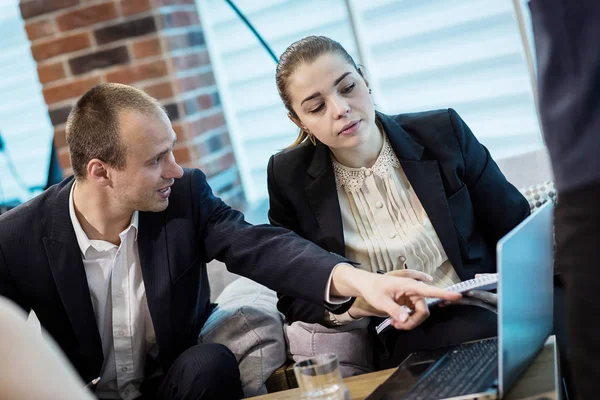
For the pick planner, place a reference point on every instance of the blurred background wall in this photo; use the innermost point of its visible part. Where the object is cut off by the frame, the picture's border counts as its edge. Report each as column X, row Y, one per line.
column 218, row 83
column 25, row 129
column 156, row 45
column 419, row 55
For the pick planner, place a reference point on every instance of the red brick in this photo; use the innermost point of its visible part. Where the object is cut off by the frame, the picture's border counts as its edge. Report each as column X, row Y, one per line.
column 172, row 111
column 63, row 158
column 38, row 29
column 66, row 44
column 128, row 29
column 131, row 7
column 60, row 138
column 178, row 19
column 146, row 48
column 69, row 172
column 194, row 82
column 99, row 60
column 206, row 124
column 192, row 60
column 50, row 72
column 182, row 154
column 86, row 16
column 173, row 2
column 59, row 116
column 217, row 165
column 70, row 89
column 33, row 8
column 160, row 91
column 191, row 38
column 199, row 103
column 211, row 144
column 179, row 129
column 139, row 72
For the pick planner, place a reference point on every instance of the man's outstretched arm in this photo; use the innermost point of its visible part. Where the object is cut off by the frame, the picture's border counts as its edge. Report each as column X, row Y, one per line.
column 287, row 263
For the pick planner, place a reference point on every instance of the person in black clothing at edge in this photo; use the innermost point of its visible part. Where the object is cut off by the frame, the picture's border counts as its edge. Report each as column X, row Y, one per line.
column 568, row 76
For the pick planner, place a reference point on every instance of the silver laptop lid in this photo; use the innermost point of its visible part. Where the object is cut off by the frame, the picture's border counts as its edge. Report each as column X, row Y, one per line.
column 525, row 293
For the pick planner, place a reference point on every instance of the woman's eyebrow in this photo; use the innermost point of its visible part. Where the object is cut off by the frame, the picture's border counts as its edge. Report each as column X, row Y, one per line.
column 337, row 81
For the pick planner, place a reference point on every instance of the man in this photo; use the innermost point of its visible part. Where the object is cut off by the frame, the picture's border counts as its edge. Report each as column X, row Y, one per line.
column 566, row 36
column 113, row 261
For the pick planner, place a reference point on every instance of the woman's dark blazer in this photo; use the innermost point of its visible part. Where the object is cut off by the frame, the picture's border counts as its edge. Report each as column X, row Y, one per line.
column 468, row 200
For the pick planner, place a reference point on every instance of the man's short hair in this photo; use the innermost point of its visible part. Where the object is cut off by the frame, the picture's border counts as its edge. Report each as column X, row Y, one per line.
column 92, row 128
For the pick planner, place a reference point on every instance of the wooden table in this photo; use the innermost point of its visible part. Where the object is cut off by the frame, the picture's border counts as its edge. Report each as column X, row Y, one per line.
column 540, row 381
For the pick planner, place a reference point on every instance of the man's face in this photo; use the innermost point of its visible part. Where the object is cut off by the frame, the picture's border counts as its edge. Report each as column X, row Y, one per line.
column 150, row 169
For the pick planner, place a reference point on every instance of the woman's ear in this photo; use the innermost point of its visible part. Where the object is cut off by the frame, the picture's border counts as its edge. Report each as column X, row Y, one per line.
column 296, row 120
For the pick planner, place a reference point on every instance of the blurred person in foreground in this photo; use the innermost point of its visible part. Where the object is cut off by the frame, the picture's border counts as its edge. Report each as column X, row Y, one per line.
column 113, row 260
column 566, row 36
column 33, row 367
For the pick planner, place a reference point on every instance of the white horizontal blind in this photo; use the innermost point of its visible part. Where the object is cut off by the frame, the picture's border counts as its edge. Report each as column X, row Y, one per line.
column 419, row 54
column 24, row 123
column 245, row 72
column 464, row 54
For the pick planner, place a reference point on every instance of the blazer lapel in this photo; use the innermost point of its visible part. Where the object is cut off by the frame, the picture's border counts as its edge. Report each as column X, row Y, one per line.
column 152, row 248
column 425, row 178
column 323, row 199
column 65, row 259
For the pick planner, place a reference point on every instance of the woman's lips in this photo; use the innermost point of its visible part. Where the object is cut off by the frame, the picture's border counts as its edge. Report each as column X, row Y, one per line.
column 350, row 128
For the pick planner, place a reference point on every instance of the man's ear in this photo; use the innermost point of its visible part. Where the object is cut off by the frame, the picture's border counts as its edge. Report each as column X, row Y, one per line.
column 296, row 121
column 97, row 172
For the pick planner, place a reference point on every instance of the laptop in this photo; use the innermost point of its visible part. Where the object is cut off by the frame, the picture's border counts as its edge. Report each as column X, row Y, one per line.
column 486, row 369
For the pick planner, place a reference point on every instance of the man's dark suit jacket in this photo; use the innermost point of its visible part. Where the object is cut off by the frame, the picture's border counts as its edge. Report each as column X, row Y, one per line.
column 41, row 266
column 468, row 200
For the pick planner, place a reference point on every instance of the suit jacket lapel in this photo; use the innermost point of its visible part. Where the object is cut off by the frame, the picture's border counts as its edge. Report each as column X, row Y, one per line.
column 152, row 248
column 425, row 178
column 323, row 199
column 65, row 259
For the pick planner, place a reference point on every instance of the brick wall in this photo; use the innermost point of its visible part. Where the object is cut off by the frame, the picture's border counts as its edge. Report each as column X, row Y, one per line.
column 155, row 45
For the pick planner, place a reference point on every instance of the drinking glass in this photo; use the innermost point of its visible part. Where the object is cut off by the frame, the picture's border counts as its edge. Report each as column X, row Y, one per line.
column 319, row 377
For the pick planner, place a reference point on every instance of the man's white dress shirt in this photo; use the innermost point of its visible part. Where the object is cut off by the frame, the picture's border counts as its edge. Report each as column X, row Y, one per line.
column 114, row 277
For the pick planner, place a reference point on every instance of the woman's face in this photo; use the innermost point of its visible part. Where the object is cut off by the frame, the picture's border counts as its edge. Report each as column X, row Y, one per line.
column 332, row 101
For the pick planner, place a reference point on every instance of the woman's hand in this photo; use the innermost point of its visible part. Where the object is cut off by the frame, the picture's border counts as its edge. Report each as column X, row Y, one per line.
column 391, row 295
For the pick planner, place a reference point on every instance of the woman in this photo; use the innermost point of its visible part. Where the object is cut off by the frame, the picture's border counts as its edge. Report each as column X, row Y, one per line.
column 394, row 193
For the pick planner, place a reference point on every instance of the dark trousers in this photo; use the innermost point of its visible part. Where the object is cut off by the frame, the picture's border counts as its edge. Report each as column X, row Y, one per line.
column 577, row 230
column 205, row 371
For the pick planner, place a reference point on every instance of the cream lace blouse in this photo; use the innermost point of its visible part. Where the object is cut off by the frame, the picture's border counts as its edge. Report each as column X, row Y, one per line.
column 385, row 226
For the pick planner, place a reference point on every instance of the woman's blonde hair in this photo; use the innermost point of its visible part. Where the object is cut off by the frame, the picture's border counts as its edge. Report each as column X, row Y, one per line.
column 301, row 52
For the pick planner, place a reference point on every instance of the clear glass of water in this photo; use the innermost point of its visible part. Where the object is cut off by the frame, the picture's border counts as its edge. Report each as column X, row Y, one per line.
column 320, row 378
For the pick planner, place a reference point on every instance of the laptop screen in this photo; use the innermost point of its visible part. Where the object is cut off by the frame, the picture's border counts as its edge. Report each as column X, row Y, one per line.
column 525, row 293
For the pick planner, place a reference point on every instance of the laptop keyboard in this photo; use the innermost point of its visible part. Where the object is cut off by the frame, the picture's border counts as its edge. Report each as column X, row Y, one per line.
column 459, row 372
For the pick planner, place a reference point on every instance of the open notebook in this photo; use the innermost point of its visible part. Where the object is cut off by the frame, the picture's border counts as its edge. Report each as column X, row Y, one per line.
column 484, row 282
